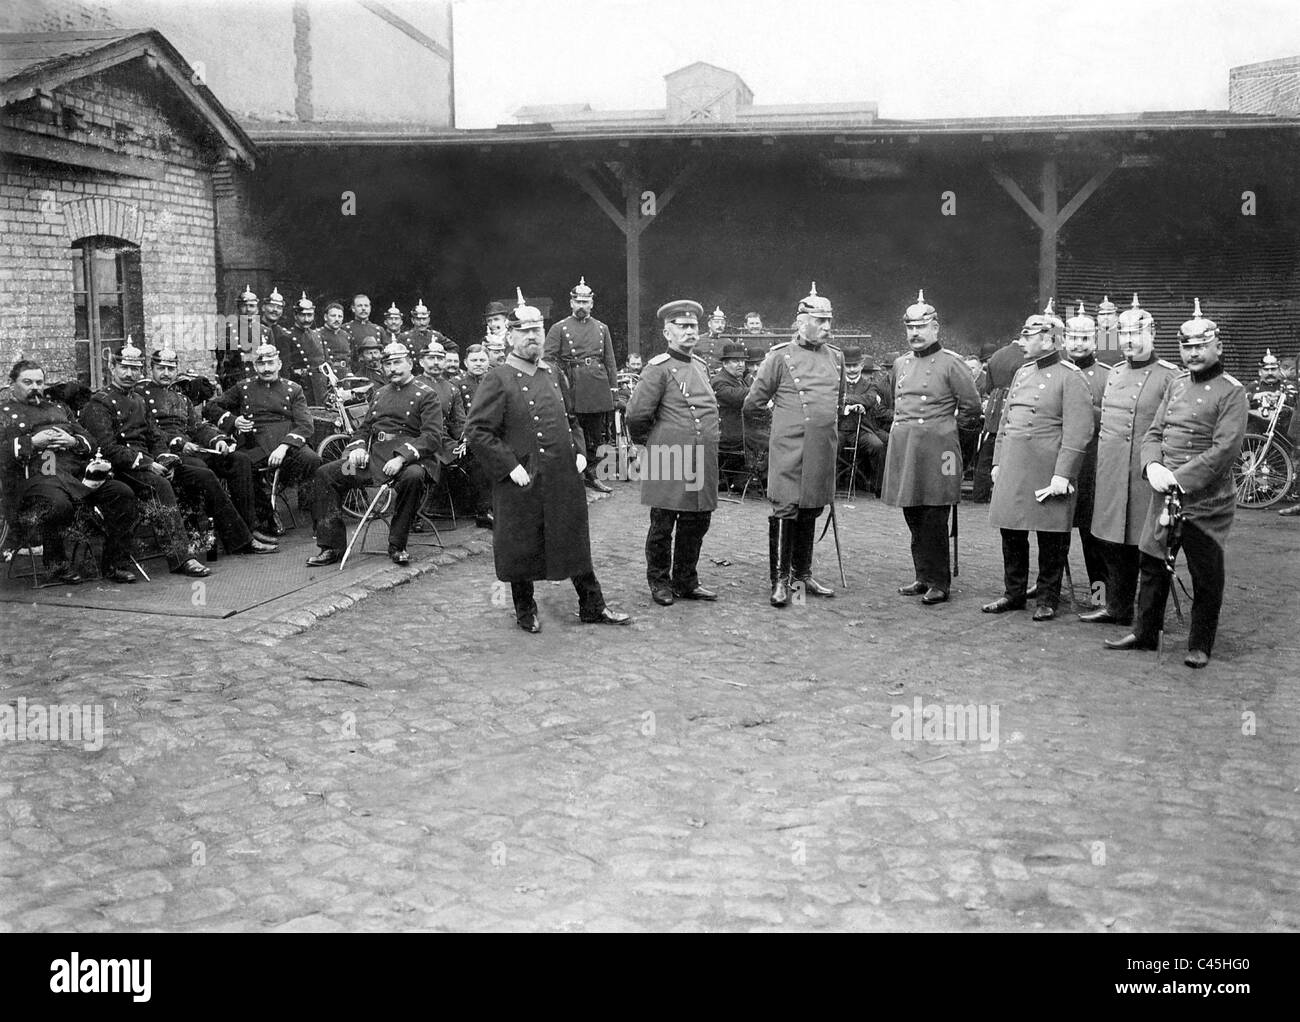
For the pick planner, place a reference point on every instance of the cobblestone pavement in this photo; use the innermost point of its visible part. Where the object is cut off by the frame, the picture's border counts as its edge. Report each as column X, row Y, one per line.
column 418, row 762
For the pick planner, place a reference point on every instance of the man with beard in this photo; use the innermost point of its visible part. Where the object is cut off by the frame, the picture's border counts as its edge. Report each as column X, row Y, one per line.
column 272, row 316
column 583, row 348
column 370, row 365
column 730, row 388
column 43, row 460
column 359, row 328
column 521, row 429
column 182, row 431
column 674, row 414
column 334, row 340
column 270, row 418
column 860, row 428
column 399, row 442
column 1081, row 348
column 1134, row 390
column 804, row 379
column 119, row 425
column 1046, row 425
column 934, row 398
column 301, row 352
column 1190, row 448
column 243, row 336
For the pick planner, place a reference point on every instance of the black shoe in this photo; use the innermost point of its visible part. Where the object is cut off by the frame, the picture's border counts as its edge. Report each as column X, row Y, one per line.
column 663, row 597
column 1044, row 613
column 698, row 593
column 398, row 556
column 258, row 547
column 814, row 588
column 1130, row 641
column 781, row 592
column 118, row 575
column 64, row 574
column 192, row 568
column 592, row 483
column 1196, row 658
column 608, row 617
column 532, row 623
column 485, row 520
column 324, row 557
column 934, row 595
column 915, row 589
column 1104, row 617
column 264, row 537
column 273, row 526
column 1003, row 604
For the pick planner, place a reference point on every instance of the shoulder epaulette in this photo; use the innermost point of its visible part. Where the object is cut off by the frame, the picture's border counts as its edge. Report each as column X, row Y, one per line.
column 659, row 359
column 697, row 358
column 1071, row 365
column 543, row 364
column 783, row 344
column 1167, row 364
column 1232, row 379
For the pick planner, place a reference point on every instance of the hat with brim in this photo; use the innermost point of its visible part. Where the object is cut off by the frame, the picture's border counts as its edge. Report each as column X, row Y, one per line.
column 852, row 355
column 683, row 310
column 495, row 309
column 730, row 351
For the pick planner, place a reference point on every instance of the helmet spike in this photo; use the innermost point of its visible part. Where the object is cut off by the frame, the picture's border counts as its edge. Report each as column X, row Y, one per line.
column 1050, row 310
column 920, row 296
column 1135, row 304
column 812, row 290
column 1196, row 308
column 1079, row 311
column 519, row 296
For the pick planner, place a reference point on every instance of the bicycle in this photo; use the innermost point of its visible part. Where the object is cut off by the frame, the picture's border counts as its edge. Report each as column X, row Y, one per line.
column 331, row 448
column 1265, row 469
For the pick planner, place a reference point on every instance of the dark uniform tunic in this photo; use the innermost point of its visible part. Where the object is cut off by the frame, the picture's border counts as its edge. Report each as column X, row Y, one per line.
column 1095, row 375
column 584, row 350
column 301, row 354
column 730, row 392
column 243, row 337
column 803, row 380
column 674, row 413
column 709, row 348
column 337, row 347
column 357, row 331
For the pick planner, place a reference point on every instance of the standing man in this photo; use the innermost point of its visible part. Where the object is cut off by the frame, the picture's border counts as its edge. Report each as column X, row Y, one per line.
column 1046, row 426
column 674, row 413
column 521, row 429
column 243, row 337
column 334, row 341
column 359, row 327
column 730, row 388
column 496, row 321
column 301, row 353
column 392, row 328
column 753, row 323
column 934, row 397
column 581, row 345
column 1081, row 348
column 804, row 379
column 399, row 443
column 999, row 371
column 418, row 337
column 1190, row 447
column 1134, row 390
column 711, row 344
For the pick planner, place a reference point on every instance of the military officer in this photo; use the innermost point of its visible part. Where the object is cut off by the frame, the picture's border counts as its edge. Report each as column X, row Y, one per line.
column 496, row 350
column 1047, row 422
column 359, row 327
column 999, row 370
column 43, row 459
column 392, row 329
column 804, row 380
column 1081, row 349
column 674, row 413
column 120, row 427
column 301, row 353
column 1190, row 447
column 334, row 341
column 243, row 337
column 474, row 488
column 730, row 388
column 863, row 434
column 418, row 337
column 476, row 366
column 182, row 431
column 398, row 443
column 1134, row 390
column 433, row 360
column 711, row 344
column 934, row 398
column 269, row 416
column 583, row 349
column 370, row 365
column 1108, row 337
column 531, row 446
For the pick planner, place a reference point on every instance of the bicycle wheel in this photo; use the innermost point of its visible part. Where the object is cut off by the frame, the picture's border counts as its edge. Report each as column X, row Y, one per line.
column 1263, row 472
column 355, row 501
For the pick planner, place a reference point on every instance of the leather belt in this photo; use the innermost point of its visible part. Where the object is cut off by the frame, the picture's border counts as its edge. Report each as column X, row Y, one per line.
column 383, row 437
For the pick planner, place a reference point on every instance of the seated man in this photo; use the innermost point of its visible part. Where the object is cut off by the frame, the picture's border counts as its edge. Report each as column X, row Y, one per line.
column 370, row 359
column 183, row 432
column 861, row 435
column 730, row 388
column 403, row 433
column 43, row 460
column 270, row 418
column 119, row 426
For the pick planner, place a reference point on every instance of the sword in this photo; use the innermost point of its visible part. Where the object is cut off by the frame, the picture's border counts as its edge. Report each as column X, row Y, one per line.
column 362, row 524
column 834, row 525
column 956, row 543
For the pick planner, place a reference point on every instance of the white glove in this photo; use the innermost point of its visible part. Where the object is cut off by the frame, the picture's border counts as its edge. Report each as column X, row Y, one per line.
column 582, row 463
column 993, row 476
column 519, row 475
column 1160, row 478
column 1059, row 486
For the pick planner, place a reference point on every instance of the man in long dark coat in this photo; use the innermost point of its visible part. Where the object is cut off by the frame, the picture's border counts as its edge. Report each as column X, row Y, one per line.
column 522, row 432
column 1081, row 349
column 934, row 398
column 674, row 413
column 804, row 378
column 1046, row 426
column 1134, row 390
column 1190, row 447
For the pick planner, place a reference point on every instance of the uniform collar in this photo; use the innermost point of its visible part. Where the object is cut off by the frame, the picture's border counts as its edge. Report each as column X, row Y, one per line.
column 808, row 345
column 1086, row 362
column 1207, row 374
column 1144, row 363
column 523, row 365
column 677, row 355
column 926, row 352
column 1050, row 359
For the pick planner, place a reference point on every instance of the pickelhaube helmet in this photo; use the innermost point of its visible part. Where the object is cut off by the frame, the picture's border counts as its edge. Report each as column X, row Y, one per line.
column 265, row 353
column 434, row 347
column 1134, row 319
column 1106, row 307
column 1081, row 324
column 1044, row 322
column 419, row 308
column 304, row 304
column 395, row 350
column 1269, row 361
column 525, row 316
column 1198, row 328
column 921, row 313
column 393, row 310
column 275, row 298
column 248, row 294
column 581, row 290
column 815, row 305
column 717, row 313
column 129, row 355
column 165, row 357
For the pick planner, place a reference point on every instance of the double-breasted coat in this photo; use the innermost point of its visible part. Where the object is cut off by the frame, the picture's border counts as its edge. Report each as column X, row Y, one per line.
column 805, row 383
column 403, row 421
column 1196, row 434
column 1046, row 426
column 119, row 423
column 278, row 410
column 176, row 418
column 1094, row 375
column 934, row 394
column 674, row 413
column 1128, row 406
column 584, row 350
column 24, row 470
column 520, row 416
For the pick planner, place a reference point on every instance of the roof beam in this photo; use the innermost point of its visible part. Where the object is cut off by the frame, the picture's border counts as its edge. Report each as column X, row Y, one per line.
column 75, row 154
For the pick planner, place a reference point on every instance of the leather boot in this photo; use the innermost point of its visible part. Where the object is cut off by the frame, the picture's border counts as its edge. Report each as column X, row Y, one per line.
column 784, row 539
column 805, row 529
column 773, row 546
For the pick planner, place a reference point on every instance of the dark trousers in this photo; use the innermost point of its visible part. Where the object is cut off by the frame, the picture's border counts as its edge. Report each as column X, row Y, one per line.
column 470, row 488
column 870, row 456
column 1094, row 561
column 1205, row 563
column 200, row 485
column 801, row 542
column 298, row 469
column 929, row 526
column 1122, row 563
column 236, row 471
column 983, row 480
column 166, row 522
column 54, row 510
column 327, row 508
column 594, row 426
column 675, row 566
column 1053, row 551
column 591, row 601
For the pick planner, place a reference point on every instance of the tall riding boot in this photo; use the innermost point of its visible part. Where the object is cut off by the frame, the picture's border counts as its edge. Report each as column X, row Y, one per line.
column 781, row 587
column 773, row 546
column 805, row 528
